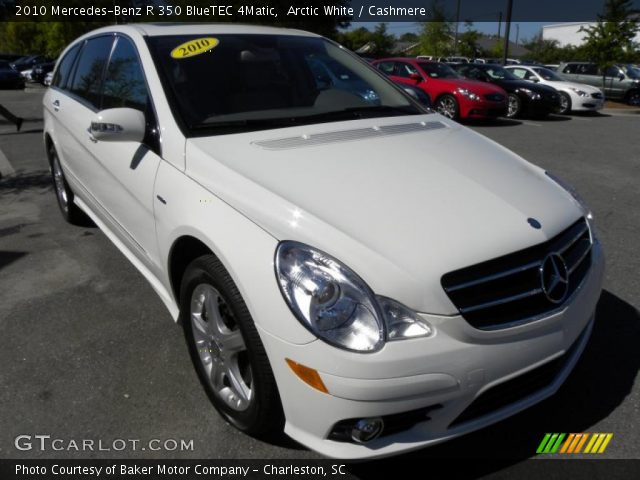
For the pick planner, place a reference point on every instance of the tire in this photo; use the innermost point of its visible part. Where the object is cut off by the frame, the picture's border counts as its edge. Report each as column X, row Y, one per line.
column 447, row 105
column 514, row 106
column 226, row 350
column 633, row 98
column 565, row 104
column 64, row 195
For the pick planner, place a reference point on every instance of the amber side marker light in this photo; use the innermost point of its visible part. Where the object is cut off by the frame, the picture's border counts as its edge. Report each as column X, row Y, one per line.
column 308, row 375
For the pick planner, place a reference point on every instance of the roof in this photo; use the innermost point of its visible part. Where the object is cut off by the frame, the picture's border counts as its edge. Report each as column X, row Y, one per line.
column 160, row 29
column 157, row 29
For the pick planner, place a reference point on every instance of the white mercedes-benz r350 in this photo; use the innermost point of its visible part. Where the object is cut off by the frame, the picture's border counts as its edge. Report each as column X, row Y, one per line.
column 346, row 265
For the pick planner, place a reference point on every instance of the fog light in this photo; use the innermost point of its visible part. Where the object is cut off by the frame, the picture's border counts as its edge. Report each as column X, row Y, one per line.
column 367, row 429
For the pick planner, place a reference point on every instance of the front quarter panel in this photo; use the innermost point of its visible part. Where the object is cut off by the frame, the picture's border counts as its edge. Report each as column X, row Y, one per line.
column 246, row 250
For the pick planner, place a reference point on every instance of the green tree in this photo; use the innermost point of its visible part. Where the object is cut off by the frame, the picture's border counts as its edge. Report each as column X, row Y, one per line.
column 610, row 40
column 468, row 41
column 354, row 39
column 436, row 36
column 384, row 41
column 409, row 37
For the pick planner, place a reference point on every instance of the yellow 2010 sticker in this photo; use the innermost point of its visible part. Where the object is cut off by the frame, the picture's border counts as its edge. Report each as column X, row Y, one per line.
column 194, row 47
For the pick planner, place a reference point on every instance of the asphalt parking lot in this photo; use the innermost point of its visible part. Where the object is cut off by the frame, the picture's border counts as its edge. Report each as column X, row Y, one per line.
column 87, row 350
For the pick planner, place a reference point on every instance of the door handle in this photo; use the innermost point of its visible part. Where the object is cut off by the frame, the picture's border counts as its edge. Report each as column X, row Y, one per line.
column 56, row 105
column 90, row 135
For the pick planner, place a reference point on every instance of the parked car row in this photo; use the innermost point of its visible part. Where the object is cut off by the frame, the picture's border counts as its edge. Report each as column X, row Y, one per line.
column 620, row 82
column 31, row 68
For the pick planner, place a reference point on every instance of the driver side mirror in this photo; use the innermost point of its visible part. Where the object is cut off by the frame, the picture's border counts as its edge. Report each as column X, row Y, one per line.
column 534, row 79
column 118, row 125
column 415, row 77
column 621, row 77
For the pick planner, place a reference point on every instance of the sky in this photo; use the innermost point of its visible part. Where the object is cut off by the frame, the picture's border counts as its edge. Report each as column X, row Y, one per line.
column 527, row 29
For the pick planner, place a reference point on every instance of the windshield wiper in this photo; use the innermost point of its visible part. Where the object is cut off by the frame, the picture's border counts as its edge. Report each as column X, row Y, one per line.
column 344, row 114
column 247, row 122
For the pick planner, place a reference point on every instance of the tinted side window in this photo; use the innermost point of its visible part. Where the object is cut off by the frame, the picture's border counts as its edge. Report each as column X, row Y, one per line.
column 405, row 69
column 571, row 68
column 519, row 72
column 386, row 67
column 612, row 72
column 88, row 76
column 588, row 69
column 124, row 84
column 61, row 78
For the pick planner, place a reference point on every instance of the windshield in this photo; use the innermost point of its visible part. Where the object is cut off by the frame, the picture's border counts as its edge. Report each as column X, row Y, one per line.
column 548, row 74
column 499, row 73
column 4, row 65
column 438, row 70
column 252, row 82
column 632, row 71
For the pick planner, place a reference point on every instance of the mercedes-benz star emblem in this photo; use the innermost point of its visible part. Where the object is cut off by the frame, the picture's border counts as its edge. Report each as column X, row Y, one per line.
column 554, row 278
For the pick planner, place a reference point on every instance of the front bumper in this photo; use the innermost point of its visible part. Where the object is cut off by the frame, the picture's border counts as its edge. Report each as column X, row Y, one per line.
column 449, row 370
column 483, row 109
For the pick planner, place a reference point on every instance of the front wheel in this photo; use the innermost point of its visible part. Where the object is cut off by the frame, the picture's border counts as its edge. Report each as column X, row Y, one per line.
column 226, row 349
column 447, row 105
column 514, row 106
column 633, row 98
column 565, row 104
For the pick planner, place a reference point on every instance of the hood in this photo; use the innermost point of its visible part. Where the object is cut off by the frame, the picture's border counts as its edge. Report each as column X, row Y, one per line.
column 512, row 85
column 580, row 86
column 400, row 200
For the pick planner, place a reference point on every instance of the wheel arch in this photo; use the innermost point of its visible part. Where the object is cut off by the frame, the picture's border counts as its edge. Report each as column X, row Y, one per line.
column 184, row 250
column 48, row 144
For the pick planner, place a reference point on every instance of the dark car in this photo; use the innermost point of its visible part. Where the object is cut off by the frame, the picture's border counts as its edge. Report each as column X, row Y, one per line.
column 25, row 63
column 40, row 71
column 416, row 93
column 525, row 98
column 9, row 78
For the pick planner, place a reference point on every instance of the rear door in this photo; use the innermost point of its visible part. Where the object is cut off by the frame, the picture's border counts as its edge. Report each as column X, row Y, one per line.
column 616, row 82
column 74, row 101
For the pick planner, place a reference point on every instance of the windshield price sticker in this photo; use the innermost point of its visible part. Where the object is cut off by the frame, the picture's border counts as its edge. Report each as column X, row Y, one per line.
column 194, row 47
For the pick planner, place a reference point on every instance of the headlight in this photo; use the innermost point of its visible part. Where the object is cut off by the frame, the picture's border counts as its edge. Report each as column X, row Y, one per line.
column 581, row 93
column 573, row 192
column 336, row 305
column 468, row 94
column 530, row 93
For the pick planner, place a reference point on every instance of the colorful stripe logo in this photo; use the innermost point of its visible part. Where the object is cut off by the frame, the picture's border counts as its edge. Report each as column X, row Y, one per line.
column 574, row 443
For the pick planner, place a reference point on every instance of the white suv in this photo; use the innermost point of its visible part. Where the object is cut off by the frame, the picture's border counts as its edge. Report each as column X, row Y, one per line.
column 365, row 274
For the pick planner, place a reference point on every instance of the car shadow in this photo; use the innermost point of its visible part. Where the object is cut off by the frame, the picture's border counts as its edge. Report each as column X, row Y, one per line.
column 14, row 184
column 491, row 122
column 600, row 382
column 554, row 117
column 590, row 114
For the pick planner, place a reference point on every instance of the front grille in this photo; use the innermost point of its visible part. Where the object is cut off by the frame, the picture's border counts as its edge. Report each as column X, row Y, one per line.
column 508, row 290
column 494, row 97
column 597, row 95
column 518, row 388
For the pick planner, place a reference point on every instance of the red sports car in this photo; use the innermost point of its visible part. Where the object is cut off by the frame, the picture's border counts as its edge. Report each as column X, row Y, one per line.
column 451, row 94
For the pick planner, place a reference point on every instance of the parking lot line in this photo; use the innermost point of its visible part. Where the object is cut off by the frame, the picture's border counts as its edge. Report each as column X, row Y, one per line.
column 533, row 124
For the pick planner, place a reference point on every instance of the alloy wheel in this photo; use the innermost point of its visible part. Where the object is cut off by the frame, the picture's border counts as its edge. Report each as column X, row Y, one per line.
column 58, row 181
column 447, row 107
column 221, row 348
column 512, row 107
